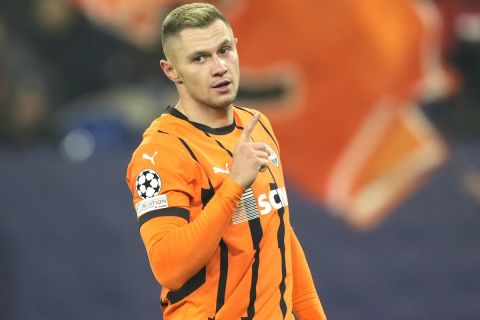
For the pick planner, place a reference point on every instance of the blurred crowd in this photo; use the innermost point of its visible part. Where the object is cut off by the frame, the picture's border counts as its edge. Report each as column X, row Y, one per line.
column 59, row 71
column 459, row 116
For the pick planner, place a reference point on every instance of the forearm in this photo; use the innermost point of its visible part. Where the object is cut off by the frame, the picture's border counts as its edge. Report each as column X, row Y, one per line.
column 177, row 252
column 306, row 303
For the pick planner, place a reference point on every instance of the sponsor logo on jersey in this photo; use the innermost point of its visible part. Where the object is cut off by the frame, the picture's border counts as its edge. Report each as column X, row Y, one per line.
column 151, row 158
column 147, row 205
column 250, row 208
column 275, row 199
column 221, row 170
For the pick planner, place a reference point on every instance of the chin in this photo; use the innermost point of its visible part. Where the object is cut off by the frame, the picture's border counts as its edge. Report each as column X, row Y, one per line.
column 221, row 104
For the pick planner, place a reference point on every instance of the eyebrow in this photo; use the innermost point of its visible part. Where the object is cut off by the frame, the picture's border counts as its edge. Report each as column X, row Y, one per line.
column 206, row 53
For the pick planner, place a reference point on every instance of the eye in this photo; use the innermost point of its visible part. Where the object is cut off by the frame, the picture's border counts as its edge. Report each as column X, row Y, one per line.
column 199, row 59
column 224, row 50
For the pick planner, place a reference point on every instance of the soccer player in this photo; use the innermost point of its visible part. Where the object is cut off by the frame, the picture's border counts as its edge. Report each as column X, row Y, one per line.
column 209, row 191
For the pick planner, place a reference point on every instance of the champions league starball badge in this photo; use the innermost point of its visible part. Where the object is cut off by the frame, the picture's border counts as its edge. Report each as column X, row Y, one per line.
column 148, row 184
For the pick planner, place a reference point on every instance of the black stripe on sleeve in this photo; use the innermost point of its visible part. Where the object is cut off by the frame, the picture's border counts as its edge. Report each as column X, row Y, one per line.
column 167, row 212
column 190, row 286
column 207, row 194
column 222, row 281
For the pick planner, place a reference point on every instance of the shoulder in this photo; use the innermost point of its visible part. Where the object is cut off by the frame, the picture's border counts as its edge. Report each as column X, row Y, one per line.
column 247, row 113
column 165, row 135
column 167, row 152
column 161, row 149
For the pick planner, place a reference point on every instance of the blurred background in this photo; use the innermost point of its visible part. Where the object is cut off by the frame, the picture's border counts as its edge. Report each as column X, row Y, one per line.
column 376, row 105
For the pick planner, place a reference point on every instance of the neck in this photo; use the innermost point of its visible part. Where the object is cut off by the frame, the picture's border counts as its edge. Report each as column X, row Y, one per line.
column 209, row 116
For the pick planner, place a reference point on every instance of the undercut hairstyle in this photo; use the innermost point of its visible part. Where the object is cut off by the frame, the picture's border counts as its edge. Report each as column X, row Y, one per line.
column 191, row 15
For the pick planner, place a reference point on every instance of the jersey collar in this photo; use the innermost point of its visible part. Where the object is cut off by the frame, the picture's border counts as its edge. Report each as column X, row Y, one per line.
column 218, row 131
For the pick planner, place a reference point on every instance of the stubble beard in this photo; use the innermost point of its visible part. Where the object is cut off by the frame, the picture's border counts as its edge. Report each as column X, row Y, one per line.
column 221, row 103
column 215, row 101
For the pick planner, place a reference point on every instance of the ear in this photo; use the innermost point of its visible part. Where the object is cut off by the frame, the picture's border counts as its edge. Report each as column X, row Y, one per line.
column 170, row 71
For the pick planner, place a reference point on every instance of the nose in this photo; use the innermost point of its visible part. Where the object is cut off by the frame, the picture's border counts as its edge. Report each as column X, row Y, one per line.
column 218, row 66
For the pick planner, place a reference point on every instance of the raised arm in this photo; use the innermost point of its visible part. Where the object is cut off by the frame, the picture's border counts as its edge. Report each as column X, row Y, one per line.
column 177, row 250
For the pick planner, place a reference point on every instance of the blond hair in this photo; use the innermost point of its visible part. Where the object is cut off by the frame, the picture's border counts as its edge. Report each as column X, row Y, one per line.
column 191, row 15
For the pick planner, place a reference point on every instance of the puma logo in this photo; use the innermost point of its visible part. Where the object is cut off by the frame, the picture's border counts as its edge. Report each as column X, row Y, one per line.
column 147, row 157
column 220, row 170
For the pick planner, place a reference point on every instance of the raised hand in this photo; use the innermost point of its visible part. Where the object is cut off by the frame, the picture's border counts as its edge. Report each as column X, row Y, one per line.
column 248, row 158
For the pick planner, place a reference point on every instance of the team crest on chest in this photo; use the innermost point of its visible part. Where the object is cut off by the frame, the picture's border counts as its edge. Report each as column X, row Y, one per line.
column 273, row 156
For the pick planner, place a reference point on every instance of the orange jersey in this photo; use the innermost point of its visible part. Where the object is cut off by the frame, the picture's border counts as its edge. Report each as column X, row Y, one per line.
column 190, row 211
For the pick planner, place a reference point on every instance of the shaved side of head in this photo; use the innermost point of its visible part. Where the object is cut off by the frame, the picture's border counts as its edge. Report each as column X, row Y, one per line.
column 192, row 15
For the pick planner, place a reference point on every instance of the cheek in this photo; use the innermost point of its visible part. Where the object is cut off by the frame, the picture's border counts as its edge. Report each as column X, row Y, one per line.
column 196, row 83
column 236, row 65
column 194, row 78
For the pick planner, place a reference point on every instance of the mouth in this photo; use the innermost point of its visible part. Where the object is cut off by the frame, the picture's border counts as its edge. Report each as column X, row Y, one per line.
column 221, row 84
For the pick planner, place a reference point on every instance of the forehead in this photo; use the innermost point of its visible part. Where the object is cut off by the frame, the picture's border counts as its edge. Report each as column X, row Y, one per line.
column 201, row 39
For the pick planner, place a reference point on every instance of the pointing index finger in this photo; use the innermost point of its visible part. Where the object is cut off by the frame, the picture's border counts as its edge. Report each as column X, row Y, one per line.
column 247, row 131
